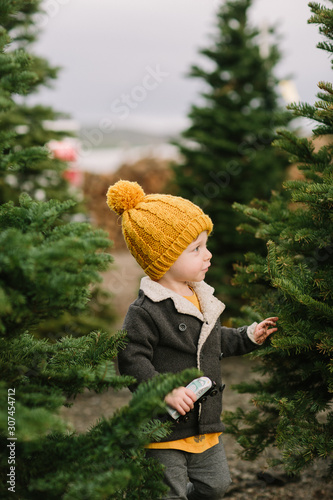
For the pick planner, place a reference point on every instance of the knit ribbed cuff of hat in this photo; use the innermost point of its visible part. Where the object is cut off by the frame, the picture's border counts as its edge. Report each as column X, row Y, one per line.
column 159, row 267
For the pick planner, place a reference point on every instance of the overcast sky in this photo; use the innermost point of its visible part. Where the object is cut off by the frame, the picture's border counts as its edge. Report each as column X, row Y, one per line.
column 127, row 60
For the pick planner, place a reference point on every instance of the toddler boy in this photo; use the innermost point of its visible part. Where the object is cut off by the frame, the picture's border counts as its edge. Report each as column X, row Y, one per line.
column 174, row 324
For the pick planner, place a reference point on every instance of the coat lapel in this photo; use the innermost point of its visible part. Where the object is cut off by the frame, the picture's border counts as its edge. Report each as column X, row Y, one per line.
column 212, row 309
column 210, row 306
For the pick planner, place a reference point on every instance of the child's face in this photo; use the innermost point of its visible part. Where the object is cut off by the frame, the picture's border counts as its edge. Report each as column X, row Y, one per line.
column 194, row 262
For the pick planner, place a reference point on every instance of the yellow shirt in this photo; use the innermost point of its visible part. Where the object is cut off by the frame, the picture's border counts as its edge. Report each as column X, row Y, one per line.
column 192, row 444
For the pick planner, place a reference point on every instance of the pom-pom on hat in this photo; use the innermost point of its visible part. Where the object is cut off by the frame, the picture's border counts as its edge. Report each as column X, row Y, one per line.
column 157, row 227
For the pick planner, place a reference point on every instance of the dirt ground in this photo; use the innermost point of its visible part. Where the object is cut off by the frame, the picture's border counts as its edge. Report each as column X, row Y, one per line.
column 251, row 480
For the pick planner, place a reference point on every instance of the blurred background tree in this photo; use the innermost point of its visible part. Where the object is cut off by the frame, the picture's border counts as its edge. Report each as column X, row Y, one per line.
column 227, row 148
column 293, row 398
column 27, row 164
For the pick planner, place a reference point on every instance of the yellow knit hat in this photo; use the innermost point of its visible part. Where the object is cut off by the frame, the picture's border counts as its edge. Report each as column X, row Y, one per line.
column 157, row 227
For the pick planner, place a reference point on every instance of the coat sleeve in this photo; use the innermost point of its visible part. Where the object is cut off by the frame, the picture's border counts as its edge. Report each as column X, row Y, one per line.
column 142, row 338
column 235, row 341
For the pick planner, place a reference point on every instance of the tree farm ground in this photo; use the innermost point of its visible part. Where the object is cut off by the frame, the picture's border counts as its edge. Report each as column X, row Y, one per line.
column 123, row 281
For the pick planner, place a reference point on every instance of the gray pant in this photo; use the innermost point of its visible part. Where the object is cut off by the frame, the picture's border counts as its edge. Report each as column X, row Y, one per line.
column 208, row 473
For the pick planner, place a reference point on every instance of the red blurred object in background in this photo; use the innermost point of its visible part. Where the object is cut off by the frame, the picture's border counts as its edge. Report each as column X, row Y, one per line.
column 67, row 150
column 74, row 176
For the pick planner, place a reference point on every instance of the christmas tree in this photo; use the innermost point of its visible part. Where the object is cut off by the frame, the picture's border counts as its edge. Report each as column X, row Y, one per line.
column 293, row 402
column 48, row 263
column 226, row 149
column 27, row 163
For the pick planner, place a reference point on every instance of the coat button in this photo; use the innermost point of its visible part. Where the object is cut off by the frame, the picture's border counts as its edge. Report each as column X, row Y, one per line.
column 182, row 327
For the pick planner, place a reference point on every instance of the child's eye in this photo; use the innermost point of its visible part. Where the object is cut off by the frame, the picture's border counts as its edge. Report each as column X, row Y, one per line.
column 197, row 248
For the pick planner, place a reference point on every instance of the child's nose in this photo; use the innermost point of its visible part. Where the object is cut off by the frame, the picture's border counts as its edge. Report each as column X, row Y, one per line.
column 208, row 255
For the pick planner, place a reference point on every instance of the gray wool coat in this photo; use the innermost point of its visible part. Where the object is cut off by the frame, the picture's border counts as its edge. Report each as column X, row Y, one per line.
column 167, row 333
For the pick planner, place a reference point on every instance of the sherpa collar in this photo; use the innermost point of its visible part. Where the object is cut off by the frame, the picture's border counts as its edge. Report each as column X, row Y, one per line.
column 210, row 306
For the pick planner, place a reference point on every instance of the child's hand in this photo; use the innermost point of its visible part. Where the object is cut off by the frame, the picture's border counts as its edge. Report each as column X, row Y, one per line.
column 262, row 330
column 181, row 399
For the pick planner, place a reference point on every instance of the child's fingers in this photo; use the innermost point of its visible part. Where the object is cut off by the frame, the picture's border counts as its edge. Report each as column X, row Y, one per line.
column 270, row 321
column 264, row 330
column 190, row 394
column 185, row 405
column 181, row 399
